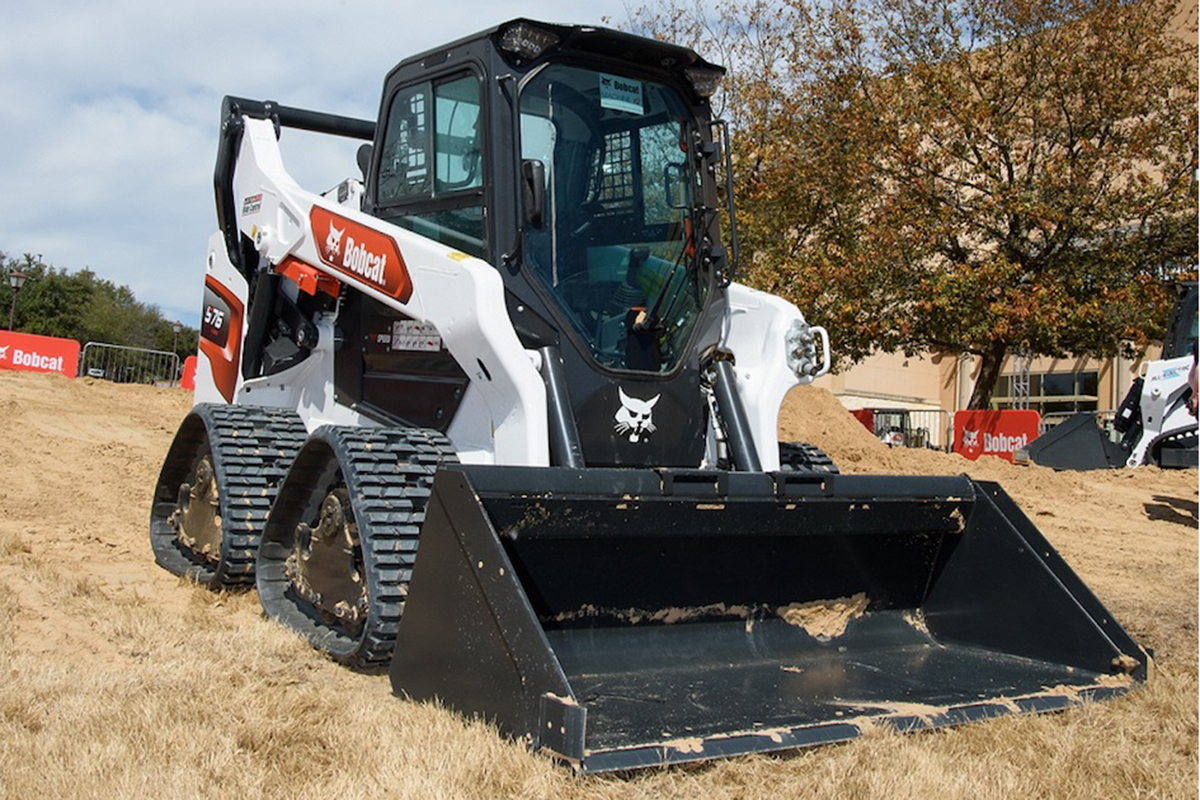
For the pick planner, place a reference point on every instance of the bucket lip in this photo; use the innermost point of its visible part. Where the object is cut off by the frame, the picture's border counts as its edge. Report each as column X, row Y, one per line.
column 489, row 480
column 899, row 719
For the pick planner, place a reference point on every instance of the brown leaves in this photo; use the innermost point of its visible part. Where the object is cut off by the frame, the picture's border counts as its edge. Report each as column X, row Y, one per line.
column 928, row 173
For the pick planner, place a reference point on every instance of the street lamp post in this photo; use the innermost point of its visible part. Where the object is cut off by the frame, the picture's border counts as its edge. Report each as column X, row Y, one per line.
column 176, row 327
column 16, row 279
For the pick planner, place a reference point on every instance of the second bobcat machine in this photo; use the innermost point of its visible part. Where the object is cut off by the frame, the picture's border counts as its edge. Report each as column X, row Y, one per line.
column 1155, row 421
column 496, row 418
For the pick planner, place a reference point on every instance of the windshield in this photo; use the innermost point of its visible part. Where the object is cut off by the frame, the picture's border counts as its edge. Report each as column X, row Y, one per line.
column 615, row 247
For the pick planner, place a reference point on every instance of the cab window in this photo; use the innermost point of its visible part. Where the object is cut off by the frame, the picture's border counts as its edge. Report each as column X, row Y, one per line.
column 431, row 169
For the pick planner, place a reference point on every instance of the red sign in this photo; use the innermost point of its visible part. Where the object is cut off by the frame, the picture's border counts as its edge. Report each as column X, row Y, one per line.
column 30, row 353
column 994, row 433
column 361, row 253
column 866, row 416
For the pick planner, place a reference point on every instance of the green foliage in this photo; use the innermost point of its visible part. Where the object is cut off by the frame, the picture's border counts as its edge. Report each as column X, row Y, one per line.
column 84, row 307
column 972, row 176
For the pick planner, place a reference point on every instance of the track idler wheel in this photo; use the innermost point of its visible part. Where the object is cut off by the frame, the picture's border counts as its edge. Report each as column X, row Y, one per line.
column 197, row 516
column 339, row 546
column 215, row 489
column 325, row 567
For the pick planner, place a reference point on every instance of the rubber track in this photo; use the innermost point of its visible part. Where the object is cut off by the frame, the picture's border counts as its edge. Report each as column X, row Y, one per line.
column 252, row 449
column 804, row 457
column 388, row 473
column 1185, row 439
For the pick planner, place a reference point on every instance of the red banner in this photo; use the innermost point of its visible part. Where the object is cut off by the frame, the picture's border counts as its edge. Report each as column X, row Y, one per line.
column 994, row 433
column 30, row 353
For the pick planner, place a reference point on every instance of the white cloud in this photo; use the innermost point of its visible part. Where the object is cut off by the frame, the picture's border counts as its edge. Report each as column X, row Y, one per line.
column 109, row 114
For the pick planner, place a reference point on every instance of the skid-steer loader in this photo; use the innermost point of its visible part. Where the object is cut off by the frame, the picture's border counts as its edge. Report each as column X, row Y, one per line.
column 1155, row 422
column 496, row 417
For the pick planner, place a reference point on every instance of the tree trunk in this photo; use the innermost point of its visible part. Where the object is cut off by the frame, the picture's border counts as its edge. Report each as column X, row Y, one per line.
column 989, row 371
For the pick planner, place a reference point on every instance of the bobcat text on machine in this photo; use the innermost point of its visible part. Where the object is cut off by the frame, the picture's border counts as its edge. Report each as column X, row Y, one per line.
column 498, row 417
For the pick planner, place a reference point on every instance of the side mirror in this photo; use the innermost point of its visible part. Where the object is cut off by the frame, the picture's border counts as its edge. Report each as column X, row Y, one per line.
column 675, row 186
column 533, row 191
column 725, row 274
column 364, row 159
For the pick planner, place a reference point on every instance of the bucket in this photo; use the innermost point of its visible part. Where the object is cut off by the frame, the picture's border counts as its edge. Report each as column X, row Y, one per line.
column 628, row 618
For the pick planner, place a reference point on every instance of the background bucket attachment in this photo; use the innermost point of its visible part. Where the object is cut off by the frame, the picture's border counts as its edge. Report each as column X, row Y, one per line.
column 629, row 618
column 1076, row 443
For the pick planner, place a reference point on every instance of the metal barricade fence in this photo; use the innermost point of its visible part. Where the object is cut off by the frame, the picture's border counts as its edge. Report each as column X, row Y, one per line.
column 940, row 425
column 129, row 364
column 929, row 429
column 925, row 428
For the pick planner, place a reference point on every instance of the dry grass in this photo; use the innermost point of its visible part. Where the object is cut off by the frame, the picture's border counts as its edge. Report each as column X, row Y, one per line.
column 117, row 680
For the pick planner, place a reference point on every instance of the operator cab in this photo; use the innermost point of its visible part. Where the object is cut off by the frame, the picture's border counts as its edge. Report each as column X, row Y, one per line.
column 612, row 231
column 1180, row 339
column 580, row 163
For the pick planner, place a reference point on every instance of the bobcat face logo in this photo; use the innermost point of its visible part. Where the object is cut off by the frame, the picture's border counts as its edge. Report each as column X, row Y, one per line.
column 970, row 439
column 634, row 417
column 4, row 352
column 333, row 244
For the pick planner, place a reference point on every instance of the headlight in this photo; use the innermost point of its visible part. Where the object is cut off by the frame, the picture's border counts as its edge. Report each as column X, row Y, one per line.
column 705, row 80
column 801, row 348
column 527, row 41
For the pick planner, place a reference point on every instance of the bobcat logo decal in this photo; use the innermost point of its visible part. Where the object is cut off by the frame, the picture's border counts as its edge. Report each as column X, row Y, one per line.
column 333, row 243
column 970, row 439
column 4, row 351
column 634, row 417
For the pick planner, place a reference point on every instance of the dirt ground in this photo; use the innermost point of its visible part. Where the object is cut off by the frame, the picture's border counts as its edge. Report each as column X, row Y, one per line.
column 118, row 679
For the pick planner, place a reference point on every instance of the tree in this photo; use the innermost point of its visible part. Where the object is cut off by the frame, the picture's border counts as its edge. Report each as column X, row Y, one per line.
column 84, row 307
column 966, row 176
column 51, row 301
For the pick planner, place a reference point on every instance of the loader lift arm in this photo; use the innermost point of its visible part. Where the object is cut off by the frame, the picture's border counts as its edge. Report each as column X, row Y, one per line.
column 233, row 110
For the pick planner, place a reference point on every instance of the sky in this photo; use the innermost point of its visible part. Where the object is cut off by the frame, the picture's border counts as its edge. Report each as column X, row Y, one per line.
column 109, row 114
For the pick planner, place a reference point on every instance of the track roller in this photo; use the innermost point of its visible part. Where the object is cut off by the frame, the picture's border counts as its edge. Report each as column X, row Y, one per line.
column 216, row 487
column 804, row 457
column 339, row 546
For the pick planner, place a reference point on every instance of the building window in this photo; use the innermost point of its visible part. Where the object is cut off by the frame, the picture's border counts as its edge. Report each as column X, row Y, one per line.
column 1052, row 392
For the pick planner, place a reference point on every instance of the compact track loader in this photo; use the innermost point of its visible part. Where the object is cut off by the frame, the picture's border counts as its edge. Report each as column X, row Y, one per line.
column 1155, row 423
column 497, row 418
